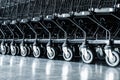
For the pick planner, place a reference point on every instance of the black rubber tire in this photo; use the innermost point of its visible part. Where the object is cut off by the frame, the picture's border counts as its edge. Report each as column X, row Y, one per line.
column 100, row 54
column 8, row 49
column 18, row 50
column 28, row 50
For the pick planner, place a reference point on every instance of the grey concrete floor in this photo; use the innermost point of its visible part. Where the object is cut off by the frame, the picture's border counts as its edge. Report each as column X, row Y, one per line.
column 28, row 68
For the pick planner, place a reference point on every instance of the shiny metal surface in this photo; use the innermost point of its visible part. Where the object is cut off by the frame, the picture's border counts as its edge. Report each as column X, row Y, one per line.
column 20, row 68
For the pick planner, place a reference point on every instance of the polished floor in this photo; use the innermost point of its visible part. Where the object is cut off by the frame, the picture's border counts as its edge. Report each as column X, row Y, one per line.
column 28, row 68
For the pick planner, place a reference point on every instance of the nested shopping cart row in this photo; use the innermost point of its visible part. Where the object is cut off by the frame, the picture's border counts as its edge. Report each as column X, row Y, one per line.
column 68, row 28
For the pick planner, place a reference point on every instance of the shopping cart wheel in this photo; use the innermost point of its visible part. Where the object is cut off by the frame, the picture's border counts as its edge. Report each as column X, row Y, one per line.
column 3, row 50
column 100, row 53
column 51, row 52
column 7, row 48
column 13, row 50
column 36, row 51
column 87, row 56
column 114, row 60
column 24, row 51
column 18, row 49
column 29, row 50
column 67, row 54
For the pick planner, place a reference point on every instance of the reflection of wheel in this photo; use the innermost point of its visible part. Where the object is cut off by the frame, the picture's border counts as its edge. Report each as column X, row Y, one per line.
column 51, row 54
column 3, row 49
column 24, row 51
column 88, row 58
column 114, row 72
column 68, row 56
column 13, row 50
column 85, row 69
column 114, row 61
column 36, row 51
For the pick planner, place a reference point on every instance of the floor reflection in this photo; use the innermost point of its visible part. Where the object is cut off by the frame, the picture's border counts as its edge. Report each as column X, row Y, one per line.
column 26, row 68
column 85, row 71
column 112, row 74
column 66, row 70
column 50, row 66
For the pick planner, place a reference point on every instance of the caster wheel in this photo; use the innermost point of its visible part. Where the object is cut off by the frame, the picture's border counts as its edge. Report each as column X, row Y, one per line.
column 18, row 50
column 13, row 50
column 113, row 61
column 88, row 58
column 8, row 49
column 68, row 56
column 28, row 50
column 3, row 50
column 51, row 53
column 100, row 54
column 36, row 52
column 24, row 51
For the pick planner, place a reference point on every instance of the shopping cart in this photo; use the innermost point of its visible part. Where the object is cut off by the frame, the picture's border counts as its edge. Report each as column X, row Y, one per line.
column 105, row 12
